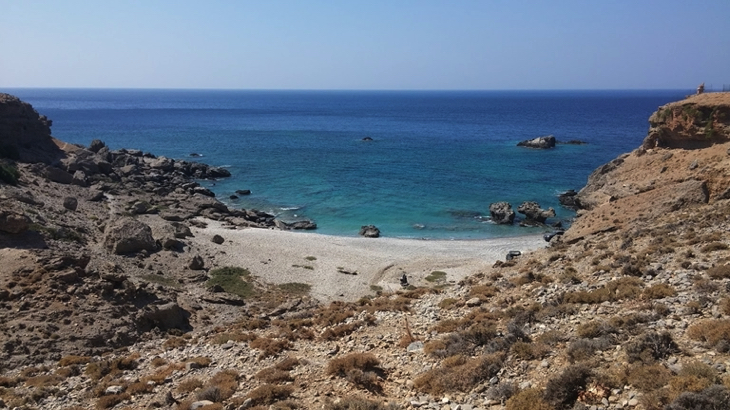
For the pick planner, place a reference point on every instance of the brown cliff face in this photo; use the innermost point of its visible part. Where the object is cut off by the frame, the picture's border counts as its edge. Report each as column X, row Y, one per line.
column 684, row 160
column 24, row 134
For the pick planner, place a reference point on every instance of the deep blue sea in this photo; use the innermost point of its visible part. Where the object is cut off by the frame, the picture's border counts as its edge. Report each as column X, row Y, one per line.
column 436, row 161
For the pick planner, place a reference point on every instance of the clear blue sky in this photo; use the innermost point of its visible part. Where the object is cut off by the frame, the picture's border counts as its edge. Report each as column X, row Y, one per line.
column 371, row 44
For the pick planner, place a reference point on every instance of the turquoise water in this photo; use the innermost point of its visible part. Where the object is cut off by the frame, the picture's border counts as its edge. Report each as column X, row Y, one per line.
column 436, row 162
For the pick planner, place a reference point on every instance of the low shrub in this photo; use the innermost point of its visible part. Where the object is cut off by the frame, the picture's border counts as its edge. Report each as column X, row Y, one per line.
column 714, row 246
column 711, row 331
column 270, row 347
column 72, row 360
column 651, row 346
column 584, row 349
column 647, row 378
column 342, row 365
column 268, row 394
column 562, row 391
column 436, row 276
column 338, row 332
column 272, row 375
column 459, row 373
column 107, row 402
column 190, row 385
column 622, row 288
column 594, row 328
column 528, row 399
column 658, row 291
column 351, row 403
column 719, row 272
column 9, row 174
column 713, row 397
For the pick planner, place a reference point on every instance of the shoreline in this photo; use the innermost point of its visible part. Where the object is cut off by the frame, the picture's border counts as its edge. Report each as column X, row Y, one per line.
column 373, row 264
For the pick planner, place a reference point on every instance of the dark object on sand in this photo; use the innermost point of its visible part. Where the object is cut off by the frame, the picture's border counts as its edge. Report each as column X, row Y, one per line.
column 404, row 281
column 550, row 236
column 512, row 254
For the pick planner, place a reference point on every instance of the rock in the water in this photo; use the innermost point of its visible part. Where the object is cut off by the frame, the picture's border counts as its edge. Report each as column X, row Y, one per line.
column 369, row 231
column 129, row 236
column 243, row 191
column 545, row 142
column 533, row 212
column 569, row 199
column 70, row 203
column 502, row 213
column 13, row 222
column 217, row 239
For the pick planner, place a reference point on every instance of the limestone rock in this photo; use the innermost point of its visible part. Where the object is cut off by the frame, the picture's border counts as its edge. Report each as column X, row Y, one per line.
column 369, row 231
column 129, row 236
column 24, row 133
column 56, row 174
column 13, row 222
column 70, row 203
column 502, row 213
column 545, row 142
column 533, row 212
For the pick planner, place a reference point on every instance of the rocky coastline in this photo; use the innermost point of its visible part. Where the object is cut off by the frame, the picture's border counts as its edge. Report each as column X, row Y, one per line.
column 109, row 298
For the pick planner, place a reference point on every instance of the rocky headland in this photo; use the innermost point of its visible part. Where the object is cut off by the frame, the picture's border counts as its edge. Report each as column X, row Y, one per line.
column 113, row 295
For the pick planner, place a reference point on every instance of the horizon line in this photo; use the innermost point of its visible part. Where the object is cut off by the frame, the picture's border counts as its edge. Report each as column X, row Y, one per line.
column 349, row 89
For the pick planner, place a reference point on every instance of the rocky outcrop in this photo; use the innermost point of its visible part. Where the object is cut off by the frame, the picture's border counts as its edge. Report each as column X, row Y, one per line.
column 24, row 134
column 369, row 231
column 502, row 213
column 129, row 236
column 534, row 214
column 13, row 222
column 696, row 122
column 298, row 225
column 544, row 142
column 569, row 199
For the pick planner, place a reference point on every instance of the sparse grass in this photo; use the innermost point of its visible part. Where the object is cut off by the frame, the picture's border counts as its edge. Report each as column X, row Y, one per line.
column 719, row 272
column 342, row 365
column 226, row 337
column 107, row 402
column 339, row 331
column 72, row 360
column 190, row 385
column 352, row 403
column 161, row 280
column 295, row 288
column 174, row 343
column 622, row 288
column 233, row 280
column 436, row 276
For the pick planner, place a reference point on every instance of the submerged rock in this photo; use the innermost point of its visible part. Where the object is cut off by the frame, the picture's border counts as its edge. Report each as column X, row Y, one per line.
column 545, row 142
column 369, row 231
column 502, row 213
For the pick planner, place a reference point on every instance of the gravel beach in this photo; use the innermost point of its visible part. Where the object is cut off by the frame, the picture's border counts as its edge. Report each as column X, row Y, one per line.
column 347, row 268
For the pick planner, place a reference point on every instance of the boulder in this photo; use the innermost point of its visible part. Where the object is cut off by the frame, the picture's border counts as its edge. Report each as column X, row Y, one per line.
column 502, row 213
column 545, row 142
column 569, row 199
column 369, row 231
column 13, row 222
column 533, row 212
column 128, row 235
column 217, row 239
column 305, row 225
column 56, row 174
column 96, row 145
column 167, row 316
column 70, row 203
column 196, row 263
column 80, row 179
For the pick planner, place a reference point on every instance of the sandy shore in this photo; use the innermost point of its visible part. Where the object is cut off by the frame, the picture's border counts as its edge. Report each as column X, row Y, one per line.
column 281, row 257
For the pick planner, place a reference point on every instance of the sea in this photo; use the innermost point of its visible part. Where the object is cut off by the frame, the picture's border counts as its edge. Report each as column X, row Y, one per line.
column 416, row 164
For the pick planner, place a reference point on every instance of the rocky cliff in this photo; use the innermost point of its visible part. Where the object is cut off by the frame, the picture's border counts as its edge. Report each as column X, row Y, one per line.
column 24, row 134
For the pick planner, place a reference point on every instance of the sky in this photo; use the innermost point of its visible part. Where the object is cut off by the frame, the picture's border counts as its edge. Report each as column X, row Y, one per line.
column 372, row 44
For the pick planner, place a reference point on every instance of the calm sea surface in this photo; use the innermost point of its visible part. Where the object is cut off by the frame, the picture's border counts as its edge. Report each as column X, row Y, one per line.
column 435, row 163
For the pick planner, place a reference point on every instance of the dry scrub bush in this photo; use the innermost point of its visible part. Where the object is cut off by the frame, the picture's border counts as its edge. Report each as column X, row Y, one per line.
column 107, row 402
column 459, row 373
column 72, row 360
column 584, row 349
column 158, row 361
column 528, row 399
column 529, row 351
column 448, row 303
column 350, row 403
column 287, row 364
column 389, row 304
column 269, row 347
column 659, row 291
column 174, row 343
column 713, row 247
column 162, row 373
column 651, row 346
column 268, row 394
column 562, row 391
column 189, row 385
column 44, row 380
column 646, row 378
column 201, row 361
column 226, row 337
column 551, row 338
column 713, row 397
column 97, row 370
column 339, row 331
column 719, row 272
column 272, row 375
column 483, row 292
column 710, row 331
column 622, row 288
column 595, row 328
column 342, row 365
column 336, row 313
column 140, row 388
column 226, row 382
